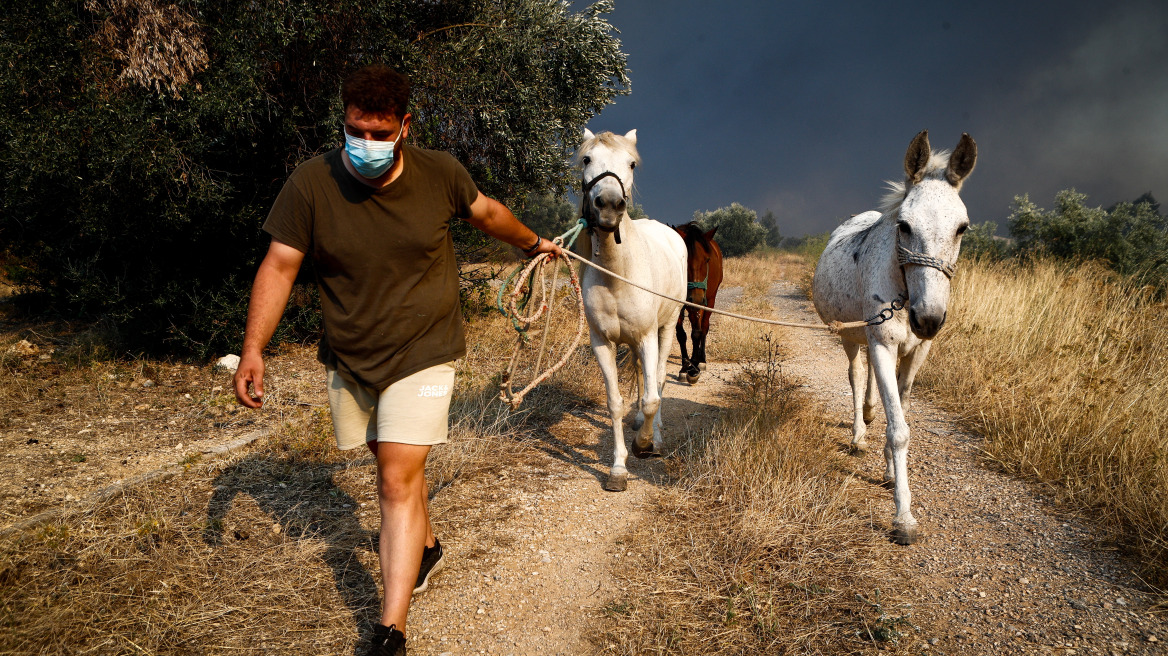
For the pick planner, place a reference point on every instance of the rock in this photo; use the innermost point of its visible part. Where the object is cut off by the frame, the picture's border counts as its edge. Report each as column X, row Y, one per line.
column 147, row 383
column 229, row 362
column 24, row 348
column 1077, row 604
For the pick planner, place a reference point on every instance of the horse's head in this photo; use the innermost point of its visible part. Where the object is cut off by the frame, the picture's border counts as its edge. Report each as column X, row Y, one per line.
column 930, row 219
column 607, row 162
column 700, row 248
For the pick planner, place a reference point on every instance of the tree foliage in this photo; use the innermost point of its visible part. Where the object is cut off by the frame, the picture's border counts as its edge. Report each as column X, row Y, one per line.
column 738, row 229
column 142, row 141
column 981, row 242
column 1131, row 237
column 773, row 238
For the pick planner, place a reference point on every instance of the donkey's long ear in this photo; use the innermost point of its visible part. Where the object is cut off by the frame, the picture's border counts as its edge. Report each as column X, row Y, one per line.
column 917, row 157
column 588, row 134
column 962, row 160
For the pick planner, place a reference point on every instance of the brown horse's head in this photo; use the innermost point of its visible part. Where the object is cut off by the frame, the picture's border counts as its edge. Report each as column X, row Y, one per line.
column 702, row 250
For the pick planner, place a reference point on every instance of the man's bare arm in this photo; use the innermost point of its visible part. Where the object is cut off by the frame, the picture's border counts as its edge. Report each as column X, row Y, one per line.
column 493, row 218
column 269, row 296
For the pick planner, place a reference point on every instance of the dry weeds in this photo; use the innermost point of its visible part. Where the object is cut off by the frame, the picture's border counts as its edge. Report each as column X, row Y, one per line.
column 735, row 339
column 1064, row 370
column 267, row 550
column 765, row 545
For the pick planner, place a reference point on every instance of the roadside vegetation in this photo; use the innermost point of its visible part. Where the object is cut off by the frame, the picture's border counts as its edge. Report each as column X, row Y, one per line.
column 764, row 544
column 270, row 549
column 1063, row 368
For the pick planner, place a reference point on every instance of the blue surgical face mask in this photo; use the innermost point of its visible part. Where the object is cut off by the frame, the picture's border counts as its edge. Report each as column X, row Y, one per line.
column 371, row 158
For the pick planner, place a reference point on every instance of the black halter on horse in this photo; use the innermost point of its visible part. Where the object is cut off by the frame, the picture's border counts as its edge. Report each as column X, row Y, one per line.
column 588, row 213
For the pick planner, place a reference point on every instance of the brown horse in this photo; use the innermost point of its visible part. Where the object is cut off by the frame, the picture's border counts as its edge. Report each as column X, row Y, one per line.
column 704, row 273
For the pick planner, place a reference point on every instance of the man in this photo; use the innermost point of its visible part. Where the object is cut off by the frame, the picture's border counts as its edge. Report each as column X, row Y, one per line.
column 375, row 218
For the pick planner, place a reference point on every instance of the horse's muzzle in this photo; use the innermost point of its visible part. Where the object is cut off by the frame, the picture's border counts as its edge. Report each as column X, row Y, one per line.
column 925, row 326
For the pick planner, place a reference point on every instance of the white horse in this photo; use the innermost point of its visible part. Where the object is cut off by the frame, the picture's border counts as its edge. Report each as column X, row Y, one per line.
column 645, row 251
column 875, row 265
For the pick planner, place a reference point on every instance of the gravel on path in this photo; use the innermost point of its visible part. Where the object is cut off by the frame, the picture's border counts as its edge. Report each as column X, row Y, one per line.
column 1001, row 569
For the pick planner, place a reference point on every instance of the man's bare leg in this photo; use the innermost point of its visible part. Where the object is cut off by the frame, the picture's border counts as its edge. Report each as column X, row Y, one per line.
column 405, row 524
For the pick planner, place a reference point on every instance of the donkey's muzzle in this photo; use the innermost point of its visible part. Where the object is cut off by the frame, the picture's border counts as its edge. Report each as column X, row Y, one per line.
column 925, row 326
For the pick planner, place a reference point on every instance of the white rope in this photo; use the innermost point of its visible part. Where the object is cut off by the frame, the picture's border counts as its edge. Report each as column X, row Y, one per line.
column 834, row 326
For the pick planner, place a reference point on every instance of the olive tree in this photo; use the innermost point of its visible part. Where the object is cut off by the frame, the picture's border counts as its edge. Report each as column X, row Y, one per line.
column 142, row 141
column 738, row 229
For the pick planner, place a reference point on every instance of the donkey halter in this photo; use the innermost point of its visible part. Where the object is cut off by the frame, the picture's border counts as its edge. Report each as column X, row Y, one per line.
column 586, row 213
column 905, row 257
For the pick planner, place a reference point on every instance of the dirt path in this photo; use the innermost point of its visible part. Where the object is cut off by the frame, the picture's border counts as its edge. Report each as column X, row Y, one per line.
column 545, row 576
column 1001, row 571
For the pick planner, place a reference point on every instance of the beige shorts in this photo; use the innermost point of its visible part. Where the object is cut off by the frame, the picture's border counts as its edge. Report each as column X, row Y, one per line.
column 414, row 410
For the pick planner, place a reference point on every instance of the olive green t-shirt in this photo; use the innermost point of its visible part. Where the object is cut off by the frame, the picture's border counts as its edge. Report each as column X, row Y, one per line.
column 384, row 260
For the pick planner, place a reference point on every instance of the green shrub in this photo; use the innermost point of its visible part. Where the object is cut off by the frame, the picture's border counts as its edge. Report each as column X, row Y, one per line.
column 1131, row 237
column 738, row 229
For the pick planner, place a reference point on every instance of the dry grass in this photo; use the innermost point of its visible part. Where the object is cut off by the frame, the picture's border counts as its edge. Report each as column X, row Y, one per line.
column 1065, row 372
column 735, row 339
column 268, row 550
column 765, row 544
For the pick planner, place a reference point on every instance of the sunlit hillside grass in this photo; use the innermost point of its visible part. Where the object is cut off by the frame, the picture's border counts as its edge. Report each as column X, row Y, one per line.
column 1064, row 370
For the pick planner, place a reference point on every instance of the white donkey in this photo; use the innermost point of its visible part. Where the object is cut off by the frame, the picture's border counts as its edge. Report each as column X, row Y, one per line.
column 645, row 251
column 875, row 265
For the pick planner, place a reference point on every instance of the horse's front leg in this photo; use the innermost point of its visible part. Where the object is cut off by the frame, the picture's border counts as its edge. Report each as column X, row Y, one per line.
column 704, row 329
column 605, row 352
column 664, row 346
column 685, row 364
column 698, row 337
column 856, row 377
column 647, row 351
column 883, row 359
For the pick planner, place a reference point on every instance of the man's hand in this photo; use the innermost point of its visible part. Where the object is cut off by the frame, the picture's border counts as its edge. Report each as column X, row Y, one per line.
column 250, row 373
column 546, row 246
column 269, row 295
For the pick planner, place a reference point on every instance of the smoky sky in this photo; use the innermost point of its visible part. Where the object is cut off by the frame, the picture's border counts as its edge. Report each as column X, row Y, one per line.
column 805, row 109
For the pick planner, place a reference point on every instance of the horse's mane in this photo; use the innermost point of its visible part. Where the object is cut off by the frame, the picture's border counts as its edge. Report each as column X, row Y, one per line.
column 694, row 233
column 897, row 191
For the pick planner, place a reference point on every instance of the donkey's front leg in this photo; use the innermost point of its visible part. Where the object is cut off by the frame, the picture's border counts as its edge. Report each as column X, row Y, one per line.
column 910, row 364
column 647, row 352
column 883, row 359
column 605, row 352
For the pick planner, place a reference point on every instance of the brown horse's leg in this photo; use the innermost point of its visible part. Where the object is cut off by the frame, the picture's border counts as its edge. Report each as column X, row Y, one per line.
column 692, row 373
column 685, row 364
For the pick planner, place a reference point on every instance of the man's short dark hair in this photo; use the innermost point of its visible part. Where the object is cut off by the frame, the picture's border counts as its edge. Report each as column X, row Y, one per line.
column 376, row 89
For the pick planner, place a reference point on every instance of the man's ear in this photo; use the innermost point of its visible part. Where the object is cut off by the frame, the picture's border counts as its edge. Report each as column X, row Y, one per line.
column 406, row 125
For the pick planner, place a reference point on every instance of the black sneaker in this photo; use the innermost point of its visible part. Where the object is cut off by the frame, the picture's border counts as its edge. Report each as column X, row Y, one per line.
column 387, row 641
column 432, row 558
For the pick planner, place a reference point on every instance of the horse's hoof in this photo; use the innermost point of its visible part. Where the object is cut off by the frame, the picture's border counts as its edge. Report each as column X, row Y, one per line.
column 617, row 482
column 859, row 448
column 888, row 483
column 693, row 378
column 642, row 452
column 702, row 366
column 905, row 535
